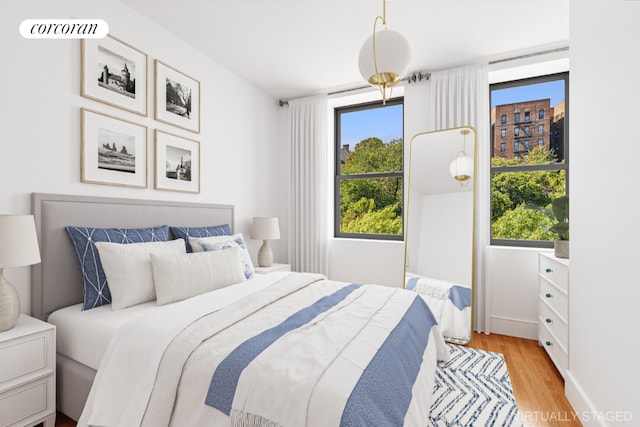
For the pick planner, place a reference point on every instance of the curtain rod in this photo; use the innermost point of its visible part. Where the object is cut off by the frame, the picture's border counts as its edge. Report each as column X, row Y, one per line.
column 413, row 78
column 530, row 55
column 419, row 76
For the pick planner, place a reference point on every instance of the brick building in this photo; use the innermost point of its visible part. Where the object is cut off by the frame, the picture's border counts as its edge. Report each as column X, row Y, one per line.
column 516, row 128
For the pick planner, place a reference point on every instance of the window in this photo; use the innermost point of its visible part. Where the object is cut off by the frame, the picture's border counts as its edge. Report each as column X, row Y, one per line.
column 503, row 147
column 369, row 171
column 503, row 119
column 527, row 116
column 503, row 133
column 516, row 131
column 516, row 117
column 530, row 175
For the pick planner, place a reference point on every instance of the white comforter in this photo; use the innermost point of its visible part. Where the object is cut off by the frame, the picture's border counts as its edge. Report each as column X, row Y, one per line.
column 317, row 350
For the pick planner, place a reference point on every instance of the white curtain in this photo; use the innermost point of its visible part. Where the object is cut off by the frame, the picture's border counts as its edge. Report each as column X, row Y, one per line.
column 460, row 97
column 309, row 168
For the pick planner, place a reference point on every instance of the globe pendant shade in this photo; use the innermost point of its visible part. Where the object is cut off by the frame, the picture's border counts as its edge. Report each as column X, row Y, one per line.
column 461, row 168
column 392, row 55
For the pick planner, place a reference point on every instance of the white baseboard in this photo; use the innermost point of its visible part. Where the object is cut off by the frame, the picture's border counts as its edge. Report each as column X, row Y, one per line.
column 585, row 410
column 514, row 327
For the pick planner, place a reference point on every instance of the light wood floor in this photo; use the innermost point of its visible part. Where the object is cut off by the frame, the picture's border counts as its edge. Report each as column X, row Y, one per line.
column 537, row 385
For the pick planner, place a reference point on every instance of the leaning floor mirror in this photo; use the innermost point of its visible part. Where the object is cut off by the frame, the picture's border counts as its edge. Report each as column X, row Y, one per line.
column 440, row 226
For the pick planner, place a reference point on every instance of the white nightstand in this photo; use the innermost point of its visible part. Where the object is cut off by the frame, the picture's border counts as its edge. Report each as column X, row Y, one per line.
column 27, row 374
column 274, row 267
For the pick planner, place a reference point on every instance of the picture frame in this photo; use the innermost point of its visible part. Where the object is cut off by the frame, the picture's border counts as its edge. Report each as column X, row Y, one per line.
column 177, row 98
column 177, row 163
column 114, row 73
column 113, row 151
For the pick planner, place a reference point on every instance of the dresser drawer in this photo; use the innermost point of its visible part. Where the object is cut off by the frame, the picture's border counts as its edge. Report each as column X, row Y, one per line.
column 555, row 297
column 554, row 272
column 558, row 354
column 554, row 323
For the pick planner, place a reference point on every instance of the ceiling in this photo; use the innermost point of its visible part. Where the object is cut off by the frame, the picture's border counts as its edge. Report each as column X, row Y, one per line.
column 294, row 48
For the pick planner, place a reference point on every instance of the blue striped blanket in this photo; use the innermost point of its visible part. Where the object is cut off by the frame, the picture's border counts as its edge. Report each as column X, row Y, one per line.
column 303, row 351
column 383, row 391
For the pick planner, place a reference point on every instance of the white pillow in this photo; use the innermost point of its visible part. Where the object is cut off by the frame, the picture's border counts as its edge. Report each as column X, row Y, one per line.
column 183, row 276
column 216, row 243
column 128, row 269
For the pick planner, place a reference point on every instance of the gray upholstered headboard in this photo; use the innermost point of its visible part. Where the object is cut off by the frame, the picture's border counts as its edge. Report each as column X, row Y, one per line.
column 56, row 282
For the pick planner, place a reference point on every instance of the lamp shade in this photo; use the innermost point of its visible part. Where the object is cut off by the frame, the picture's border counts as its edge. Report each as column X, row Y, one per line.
column 393, row 55
column 265, row 228
column 18, row 241
column 461, row 168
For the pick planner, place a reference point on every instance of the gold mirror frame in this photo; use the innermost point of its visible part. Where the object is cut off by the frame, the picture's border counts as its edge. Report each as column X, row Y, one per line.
column 456, row 143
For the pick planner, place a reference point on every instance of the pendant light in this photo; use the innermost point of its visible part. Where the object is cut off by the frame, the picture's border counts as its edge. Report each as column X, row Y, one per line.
column 384, row 57
column 461, row 168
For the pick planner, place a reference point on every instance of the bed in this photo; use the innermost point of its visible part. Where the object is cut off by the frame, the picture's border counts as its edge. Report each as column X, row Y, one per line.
column 186, row 362
column 450, row 302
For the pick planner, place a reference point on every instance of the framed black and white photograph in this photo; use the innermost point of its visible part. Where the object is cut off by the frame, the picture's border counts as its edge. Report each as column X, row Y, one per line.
column 114, row 151
column 177, row 98
column 114, row 73
column 177, row 163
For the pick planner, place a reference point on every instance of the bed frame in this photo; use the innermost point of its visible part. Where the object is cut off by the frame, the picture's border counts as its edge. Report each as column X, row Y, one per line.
column 56, row 282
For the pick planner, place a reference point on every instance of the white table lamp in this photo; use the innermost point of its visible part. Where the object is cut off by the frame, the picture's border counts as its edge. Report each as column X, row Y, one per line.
column 265, row 229
column 18, row 247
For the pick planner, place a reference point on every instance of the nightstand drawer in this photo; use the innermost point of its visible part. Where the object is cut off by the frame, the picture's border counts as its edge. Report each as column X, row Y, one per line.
column 30, row 401
column 23, row 356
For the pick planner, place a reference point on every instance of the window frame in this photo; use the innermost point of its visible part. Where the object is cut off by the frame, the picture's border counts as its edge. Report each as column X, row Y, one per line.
column 532, row 168
column 338, row 177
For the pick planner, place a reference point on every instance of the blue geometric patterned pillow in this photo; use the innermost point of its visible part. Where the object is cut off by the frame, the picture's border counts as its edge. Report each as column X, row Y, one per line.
column 96, row 288
column 185, row 232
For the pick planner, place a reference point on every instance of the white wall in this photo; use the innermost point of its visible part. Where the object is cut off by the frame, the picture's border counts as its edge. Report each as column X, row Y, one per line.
column 512, row 274
column 40, row 132
column 604, row 291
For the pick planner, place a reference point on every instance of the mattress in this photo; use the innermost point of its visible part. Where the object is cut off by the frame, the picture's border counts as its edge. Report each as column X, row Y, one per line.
column 84, row 335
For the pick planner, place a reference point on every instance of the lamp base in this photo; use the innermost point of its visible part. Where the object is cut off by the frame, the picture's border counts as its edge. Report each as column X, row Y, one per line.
column 265, row 255
column 9, row 304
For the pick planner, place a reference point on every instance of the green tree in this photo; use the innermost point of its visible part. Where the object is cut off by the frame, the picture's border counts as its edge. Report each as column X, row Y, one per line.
column 367, row 203
column 522, row 224
column 382, row 221
column 512, row 191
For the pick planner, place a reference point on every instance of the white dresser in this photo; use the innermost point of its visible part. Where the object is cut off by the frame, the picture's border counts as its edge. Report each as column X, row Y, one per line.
column 553, row 308
column 27, row 374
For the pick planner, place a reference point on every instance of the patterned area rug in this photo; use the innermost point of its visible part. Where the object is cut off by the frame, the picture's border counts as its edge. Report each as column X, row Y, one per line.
column 473, row 389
